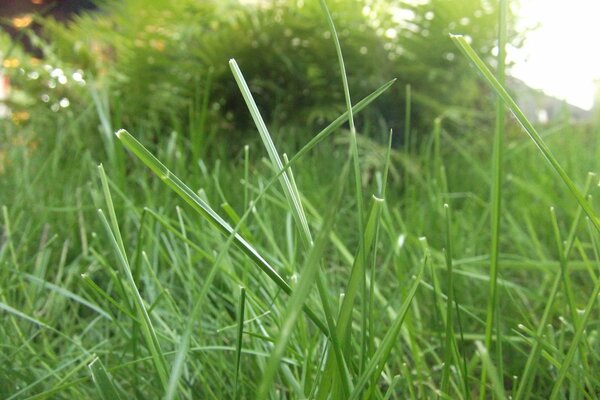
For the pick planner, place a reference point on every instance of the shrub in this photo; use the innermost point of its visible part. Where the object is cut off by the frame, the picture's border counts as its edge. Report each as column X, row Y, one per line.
column 164, row 64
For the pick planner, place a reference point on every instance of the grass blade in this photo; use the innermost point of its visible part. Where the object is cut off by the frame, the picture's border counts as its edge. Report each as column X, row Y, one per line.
column 377, row 362
column 103, row 381
column 292, row 195
column 286, row 179
column 464, row 46
column 240, row 335
column 492, row 372
column 497, row 174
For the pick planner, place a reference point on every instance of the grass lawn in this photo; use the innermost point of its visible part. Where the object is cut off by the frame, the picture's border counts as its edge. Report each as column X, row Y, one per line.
column 462, row 266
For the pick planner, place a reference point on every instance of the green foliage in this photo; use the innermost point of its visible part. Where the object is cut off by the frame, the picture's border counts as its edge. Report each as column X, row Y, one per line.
column 165, row 64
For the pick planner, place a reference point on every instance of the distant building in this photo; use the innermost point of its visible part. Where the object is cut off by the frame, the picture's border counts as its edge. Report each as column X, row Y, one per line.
column 541, row 108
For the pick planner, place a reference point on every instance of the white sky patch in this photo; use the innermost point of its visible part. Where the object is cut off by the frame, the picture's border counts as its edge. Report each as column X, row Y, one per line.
column 562, row 56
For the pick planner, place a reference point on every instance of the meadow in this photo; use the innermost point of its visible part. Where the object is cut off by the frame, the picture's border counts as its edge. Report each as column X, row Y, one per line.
column 459, row 264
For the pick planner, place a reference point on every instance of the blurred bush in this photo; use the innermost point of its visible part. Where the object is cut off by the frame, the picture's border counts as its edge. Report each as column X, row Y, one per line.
column 156, row 66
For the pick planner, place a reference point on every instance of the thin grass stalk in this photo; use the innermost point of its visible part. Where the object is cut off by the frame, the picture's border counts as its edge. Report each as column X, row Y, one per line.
column 497, row 171
column 407, row 123
column 492, row 373
column 450, row 342
column 371, row 334
column 357, row 176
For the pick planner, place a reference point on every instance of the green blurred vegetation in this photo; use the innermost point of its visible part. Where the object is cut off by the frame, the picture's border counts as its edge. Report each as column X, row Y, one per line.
column 157, row 66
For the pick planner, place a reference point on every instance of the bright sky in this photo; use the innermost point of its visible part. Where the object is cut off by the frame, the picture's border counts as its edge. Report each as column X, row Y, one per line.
column 561, row 57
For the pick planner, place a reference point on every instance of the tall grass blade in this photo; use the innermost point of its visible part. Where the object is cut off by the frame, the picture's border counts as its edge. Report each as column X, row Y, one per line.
column 290, row 190
column 464, row 46
column 497, row 174
column 358, row 192
column 293, row 197
column 450, row 342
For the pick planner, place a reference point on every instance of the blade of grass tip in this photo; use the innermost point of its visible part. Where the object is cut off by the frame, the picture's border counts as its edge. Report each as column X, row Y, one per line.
column 240, row 336
column 377, row 362
column 286, row 180
column 329, row 129
column 497, row 172
column 527, row 126
column 528, row 375
column 200, row 206
column 301, row 293
column 150, row 336
column 492, row 375
column 103, row 381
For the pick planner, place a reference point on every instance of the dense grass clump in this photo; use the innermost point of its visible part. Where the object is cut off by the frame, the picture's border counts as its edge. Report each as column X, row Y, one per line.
column 346, row 269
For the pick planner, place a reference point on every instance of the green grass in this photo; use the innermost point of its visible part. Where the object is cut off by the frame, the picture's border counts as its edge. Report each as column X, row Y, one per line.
column 458, row 267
